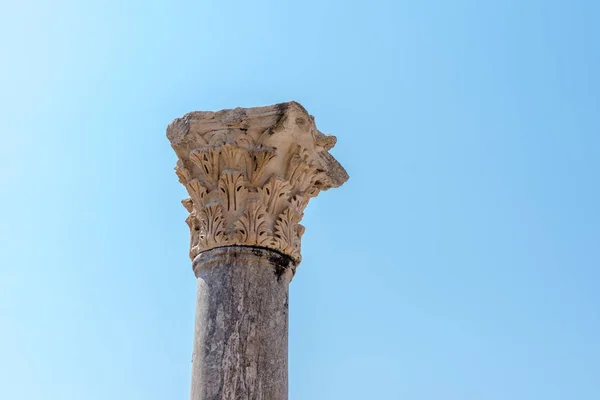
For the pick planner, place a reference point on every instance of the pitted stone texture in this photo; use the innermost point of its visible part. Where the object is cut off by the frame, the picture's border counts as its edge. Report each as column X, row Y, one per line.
column 241, row 334
column 250, row 173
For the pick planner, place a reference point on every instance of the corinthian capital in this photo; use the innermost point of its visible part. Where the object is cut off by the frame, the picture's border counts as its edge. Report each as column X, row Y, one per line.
column 250, row 173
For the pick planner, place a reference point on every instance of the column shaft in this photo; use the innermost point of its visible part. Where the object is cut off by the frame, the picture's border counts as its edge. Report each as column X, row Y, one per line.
column 241, row 330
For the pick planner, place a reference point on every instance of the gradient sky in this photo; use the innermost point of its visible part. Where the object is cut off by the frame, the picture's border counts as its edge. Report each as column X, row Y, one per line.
column 460, row 262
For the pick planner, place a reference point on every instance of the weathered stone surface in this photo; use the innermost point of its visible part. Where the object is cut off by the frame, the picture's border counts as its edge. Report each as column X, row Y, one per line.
column 250, row 173
column 241, row 337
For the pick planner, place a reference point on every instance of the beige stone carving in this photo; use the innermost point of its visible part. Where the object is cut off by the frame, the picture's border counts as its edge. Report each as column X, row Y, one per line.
column 250, row 173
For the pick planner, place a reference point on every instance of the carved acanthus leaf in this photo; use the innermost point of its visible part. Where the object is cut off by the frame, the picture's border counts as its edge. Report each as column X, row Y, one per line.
column 234, row 158
column 298, row 203
column 233, row 188
column 197, row 191
column 286, row 232
column 212, row 226
column 302, row 173
column 207, row 160
column 253, row 228
column 274, row 194
column 261, row 158
column 183, row 174
column 194, row 225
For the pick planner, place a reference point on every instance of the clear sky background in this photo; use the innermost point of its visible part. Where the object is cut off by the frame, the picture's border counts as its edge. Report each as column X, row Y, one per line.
column 461, row 260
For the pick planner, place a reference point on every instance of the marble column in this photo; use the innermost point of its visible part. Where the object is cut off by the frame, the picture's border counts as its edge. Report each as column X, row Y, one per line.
column 249, row 173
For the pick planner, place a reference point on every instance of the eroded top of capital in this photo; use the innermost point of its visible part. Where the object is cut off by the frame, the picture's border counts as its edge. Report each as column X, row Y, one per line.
column 250, row 173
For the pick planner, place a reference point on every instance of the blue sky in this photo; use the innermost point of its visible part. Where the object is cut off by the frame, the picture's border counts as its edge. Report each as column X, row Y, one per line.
column 459, row 262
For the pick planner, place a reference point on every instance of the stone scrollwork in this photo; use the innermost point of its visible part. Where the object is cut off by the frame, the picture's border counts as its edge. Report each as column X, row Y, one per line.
column 250, row 173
